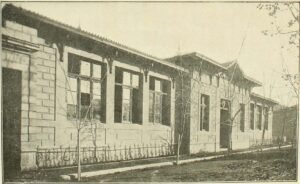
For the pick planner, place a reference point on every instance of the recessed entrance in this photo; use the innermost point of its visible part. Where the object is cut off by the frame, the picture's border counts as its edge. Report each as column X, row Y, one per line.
column 224, row 123
column 11, row 111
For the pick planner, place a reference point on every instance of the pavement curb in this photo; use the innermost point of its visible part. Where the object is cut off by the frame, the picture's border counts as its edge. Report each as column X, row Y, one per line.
column 162, row 164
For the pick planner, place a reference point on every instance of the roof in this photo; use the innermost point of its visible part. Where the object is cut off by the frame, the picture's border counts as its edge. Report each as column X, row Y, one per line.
column 224, row 66
column 230, row 64
column 95, row 37
column 255, row 95
column 196, row 56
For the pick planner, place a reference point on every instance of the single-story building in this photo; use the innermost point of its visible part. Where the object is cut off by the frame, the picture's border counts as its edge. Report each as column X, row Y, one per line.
column 219, row 99
column 59, row 80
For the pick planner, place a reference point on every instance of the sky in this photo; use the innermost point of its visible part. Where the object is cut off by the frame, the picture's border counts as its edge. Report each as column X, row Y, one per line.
column 221, row 31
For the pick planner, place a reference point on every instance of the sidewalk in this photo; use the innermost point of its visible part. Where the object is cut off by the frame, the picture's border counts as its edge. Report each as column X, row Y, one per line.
column 155, row 165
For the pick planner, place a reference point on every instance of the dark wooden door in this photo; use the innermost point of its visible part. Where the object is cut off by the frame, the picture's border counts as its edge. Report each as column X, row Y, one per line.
column 11, row 110
column 224, row 128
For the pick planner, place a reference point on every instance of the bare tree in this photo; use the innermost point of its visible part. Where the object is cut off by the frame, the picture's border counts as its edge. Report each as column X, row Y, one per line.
column 290, row 29
column 81, row 123
column 232, row 97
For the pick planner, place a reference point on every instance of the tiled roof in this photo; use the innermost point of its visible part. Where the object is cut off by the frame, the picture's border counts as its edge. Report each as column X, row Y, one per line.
column 263, row 98
column 42, row 18
column 224, row 66
column 197, row 55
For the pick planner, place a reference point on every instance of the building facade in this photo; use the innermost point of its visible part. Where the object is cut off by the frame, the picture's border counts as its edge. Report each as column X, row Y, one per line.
column 222, row 109
column 60, row 82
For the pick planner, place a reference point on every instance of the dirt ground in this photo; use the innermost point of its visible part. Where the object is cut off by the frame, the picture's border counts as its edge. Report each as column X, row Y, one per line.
column 267, row 166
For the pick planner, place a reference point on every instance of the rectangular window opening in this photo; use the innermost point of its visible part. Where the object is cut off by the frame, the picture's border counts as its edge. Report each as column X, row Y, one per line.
column 204, row 112
column 159, row 101
column 84, row 89
column 242, row 117
column 128, row 97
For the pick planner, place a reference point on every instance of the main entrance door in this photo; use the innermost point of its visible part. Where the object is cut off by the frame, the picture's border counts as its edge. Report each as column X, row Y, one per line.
column 11, row 111
column 224, row 123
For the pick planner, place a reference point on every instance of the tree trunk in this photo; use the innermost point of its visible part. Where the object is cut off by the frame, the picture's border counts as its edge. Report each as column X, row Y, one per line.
column 78, row 156
column 230, row 138
column 178, row 150
column 282, row 133
column 262, row 138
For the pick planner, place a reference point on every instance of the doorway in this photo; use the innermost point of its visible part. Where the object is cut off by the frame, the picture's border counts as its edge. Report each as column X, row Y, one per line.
column 224, row 123
column 11, row 113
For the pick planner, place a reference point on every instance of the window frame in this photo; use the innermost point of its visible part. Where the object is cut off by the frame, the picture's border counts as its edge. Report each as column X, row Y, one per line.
column 206, row 109
column 259, row 117
column 266, row 117
column 252, row 116
column 156, row 93
column 129, row 87
column 163, row 94
column 242, row 117
column 91, row 80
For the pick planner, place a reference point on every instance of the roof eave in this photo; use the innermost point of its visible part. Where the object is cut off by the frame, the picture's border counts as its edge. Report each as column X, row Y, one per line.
column 92, row 36
column 255, row 82
column 209, row 60
column 264, row 98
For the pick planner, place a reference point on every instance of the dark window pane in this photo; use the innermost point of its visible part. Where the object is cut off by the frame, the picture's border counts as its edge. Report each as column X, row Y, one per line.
column 151, row 84
column 151, row 107
column 259, row 114
column 266, row 113
column 73, row 64
column 136, row 109
column 118, row 103
column 252, row 116
column 119, row 76
column 242, row 117
column 85, row 99
column 166, row 109
column 166, row 103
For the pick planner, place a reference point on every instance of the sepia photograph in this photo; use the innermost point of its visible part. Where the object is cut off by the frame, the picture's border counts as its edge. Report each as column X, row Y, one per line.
column 153, row 91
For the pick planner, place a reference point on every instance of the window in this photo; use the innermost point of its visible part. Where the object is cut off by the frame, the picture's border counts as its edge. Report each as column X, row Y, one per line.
column 210, row 79
column 252, row 116
column 259, row 117
column 159, row 101
column 203, row 106
column 128, row 97
column 84, row 89
column 242, row 117
column 266, row 117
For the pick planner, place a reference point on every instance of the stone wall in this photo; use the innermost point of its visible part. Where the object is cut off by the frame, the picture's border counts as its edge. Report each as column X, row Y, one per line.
column 108, row 132
column 44, row 123
column 210, row 140
column 38, row 89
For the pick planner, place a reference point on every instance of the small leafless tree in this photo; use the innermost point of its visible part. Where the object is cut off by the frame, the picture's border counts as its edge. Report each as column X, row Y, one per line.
column 81, row 124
